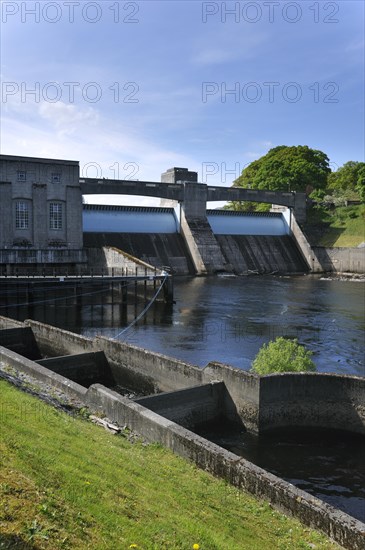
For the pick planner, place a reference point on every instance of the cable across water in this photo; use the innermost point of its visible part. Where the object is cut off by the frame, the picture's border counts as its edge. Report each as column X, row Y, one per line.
column 144, row 311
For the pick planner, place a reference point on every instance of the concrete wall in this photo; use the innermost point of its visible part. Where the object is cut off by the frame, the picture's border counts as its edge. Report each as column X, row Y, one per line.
column 261, row 403
column 111, row 258
column 83, row 368
column 261, row 254
column 21, row 340
column 305, row 248
column 35, row 259
column 312, row 399
column 243, row 388
column 14, row 360
column 190, row 407
column 38, row 189
column 341, row 260
column 204, row 249
column 54, row 341
column 163, row 373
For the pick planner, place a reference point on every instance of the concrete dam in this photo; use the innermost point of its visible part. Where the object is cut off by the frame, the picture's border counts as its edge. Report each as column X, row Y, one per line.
column 234, row 242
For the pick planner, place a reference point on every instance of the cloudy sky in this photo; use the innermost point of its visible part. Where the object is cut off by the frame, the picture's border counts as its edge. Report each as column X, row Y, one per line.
column 131, row 88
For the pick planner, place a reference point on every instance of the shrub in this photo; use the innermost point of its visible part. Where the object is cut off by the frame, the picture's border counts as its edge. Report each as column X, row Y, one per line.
column 283, row 355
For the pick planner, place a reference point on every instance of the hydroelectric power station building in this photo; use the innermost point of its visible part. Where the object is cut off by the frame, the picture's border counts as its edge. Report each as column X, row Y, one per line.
column 40, row 212
column 44, row 224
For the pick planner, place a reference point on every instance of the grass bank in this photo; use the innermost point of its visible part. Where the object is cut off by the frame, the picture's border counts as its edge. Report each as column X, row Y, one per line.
column 342, row 226
column 66, row 483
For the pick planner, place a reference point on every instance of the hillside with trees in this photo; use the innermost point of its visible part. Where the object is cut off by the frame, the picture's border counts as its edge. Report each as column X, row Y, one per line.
column 336, row 199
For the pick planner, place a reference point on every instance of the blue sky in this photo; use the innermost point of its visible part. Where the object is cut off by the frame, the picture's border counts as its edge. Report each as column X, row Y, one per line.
column 133, row 88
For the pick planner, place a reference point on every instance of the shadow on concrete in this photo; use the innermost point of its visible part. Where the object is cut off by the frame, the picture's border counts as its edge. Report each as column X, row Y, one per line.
column 22, row 341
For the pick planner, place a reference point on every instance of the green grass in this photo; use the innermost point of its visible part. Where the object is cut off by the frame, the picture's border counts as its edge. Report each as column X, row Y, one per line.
column 343, row 226
column 66, row 483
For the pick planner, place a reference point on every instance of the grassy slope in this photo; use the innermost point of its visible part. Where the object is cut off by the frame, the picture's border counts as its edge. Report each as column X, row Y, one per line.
column 344, row 226
column 66, row 483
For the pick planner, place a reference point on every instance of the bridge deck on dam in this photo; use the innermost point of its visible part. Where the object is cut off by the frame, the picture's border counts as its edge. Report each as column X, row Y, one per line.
column 250, row 242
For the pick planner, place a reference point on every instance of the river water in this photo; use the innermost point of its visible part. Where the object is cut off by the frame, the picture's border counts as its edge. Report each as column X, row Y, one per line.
column 224, row 319
column 228, row 319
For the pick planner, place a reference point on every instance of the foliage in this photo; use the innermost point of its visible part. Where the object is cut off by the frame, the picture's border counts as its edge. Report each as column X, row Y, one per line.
column 283, row 355
column 360, row 184
column 340, row 226
column 318, row 195
column 349, row 178
column 66, row 483
column 247, row 206
column 284, row 168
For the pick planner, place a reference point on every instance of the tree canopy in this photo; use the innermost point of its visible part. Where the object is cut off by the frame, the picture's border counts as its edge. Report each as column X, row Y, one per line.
column 350, row 177
column 284, row 168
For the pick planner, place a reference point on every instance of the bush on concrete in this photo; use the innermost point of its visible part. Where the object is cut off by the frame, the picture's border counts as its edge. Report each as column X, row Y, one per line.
column 283, row 355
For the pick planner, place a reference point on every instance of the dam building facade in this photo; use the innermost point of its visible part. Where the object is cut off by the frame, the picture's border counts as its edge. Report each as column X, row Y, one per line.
column 40, row 209
column 43, row 221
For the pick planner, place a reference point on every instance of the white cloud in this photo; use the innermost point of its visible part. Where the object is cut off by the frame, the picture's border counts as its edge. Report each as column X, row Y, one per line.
column 228, row 46
column 68, row 118
column 105, row 148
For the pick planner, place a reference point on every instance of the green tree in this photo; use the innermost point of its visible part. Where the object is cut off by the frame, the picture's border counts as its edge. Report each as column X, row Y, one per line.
column 360, row 184
column 284, row 168
column 283, row 355
column 296, row 168
column 347, row 178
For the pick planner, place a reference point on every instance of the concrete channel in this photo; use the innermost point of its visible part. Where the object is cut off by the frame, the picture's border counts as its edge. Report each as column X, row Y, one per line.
column 172, row 397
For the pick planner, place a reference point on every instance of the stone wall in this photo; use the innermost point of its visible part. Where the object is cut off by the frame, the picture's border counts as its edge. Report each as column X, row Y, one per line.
column 341, row 260
column 36, row 183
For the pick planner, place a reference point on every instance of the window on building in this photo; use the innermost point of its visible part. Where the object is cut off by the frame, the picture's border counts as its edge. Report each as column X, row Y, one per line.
column 21, row 215
column 55, row 215
column 21, row 175
column 56, row 178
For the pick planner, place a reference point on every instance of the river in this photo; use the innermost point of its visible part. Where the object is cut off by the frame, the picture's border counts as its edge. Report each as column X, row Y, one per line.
column 223, row 319
column 228, row 319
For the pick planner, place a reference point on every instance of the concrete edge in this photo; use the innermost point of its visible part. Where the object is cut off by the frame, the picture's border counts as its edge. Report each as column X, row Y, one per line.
column 179, row 362
column 31, row 323
column 41, row 373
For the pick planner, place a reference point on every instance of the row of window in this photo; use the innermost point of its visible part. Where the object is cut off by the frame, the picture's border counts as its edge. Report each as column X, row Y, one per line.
column 22, row 215
column 22, row 177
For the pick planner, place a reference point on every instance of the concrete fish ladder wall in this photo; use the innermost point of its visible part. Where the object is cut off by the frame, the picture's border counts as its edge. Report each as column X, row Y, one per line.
column 261, row 403
column 341, row 527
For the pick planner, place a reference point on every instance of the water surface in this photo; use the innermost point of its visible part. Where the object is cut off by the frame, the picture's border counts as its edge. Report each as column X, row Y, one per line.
column 223, row 319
